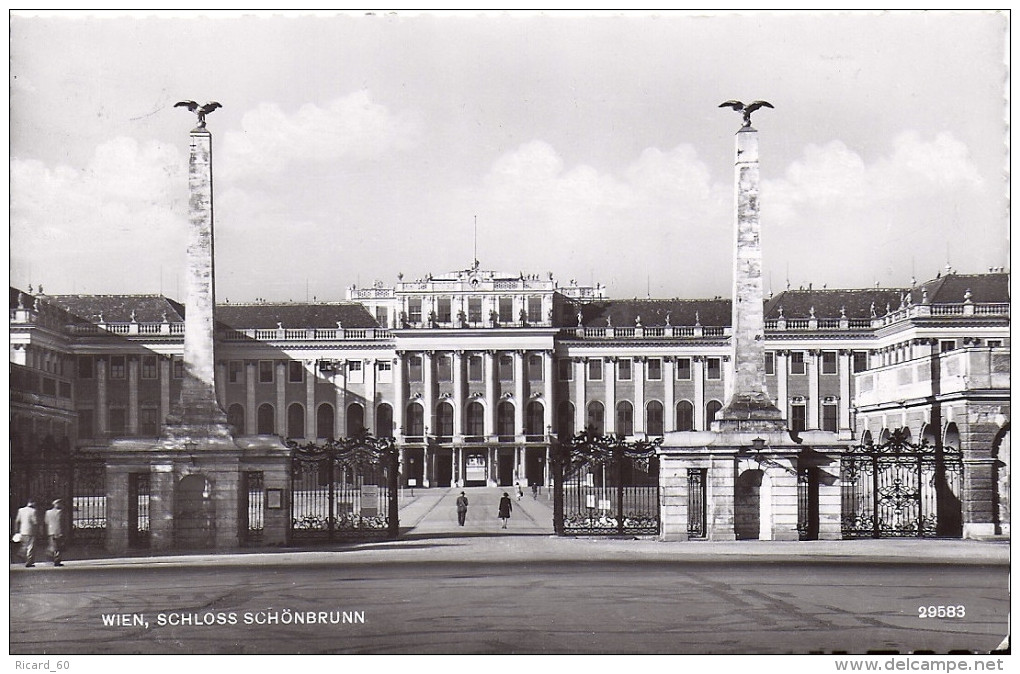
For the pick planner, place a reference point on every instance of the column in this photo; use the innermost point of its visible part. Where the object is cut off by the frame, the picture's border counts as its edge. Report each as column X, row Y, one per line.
column 489, row 360
column 251, row 410
column 519, row 398
column 845, row 375
column 668, row 394
column 547, row 380
column 221, row 383
column 580, row 416
column 609, row 377
column 639, row 395
column 281, row 398
column 720, row 486
column 698, row 375
column 369, row 370
column 311, row 428
column 813, row 405
column 458, row 400
column 783, row 382
column 164, row 388
column 340, row 384
column 102, row 406
column 132, row 411
column 428, row 393
column 399, row 395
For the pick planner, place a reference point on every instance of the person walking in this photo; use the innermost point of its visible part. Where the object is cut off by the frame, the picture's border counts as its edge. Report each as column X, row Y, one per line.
column 506, row 506
column 55, row 530
column 29, row 526
column 520, row 492
column 462, row 504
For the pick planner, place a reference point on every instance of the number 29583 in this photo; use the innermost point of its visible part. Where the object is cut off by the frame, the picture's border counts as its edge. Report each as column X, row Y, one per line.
column 941, row 611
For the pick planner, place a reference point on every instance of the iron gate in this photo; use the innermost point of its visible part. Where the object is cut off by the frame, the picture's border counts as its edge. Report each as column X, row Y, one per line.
column 606, row 486
column 901, row 489
column 344, row 489
column 47, row 470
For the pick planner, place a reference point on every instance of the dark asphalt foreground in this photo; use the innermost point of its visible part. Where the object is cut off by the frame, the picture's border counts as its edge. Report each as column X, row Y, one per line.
column 441, row 588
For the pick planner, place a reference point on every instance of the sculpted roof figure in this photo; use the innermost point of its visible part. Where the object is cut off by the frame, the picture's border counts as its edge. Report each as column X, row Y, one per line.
column 746, row 109
column 201, row 111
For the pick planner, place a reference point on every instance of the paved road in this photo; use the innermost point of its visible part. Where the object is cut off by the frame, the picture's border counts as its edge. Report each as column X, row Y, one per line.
column 477, row 589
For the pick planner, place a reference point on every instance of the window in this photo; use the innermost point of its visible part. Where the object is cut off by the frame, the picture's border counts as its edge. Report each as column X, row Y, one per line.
column 506, row 309
column 355, row 419
column 711, row 410
column 565, row 419
column 235, row 417
column 623, row 369
column 444, row 420
column 415, row 420
column 994, row 343
column 534, row 309
column 535, row 367
column 118, row 417
column 324, row 420
column 149, row 367
column 654, row 418
column 595, row 369
column 85, row 367
column 118, row 367
column 49, row 386
column 830, row 417
column 770, row 362
column 684, row 416
column 414, row 370
column 475, row 419
column 714, row 368
column 798, row 417
column 475, row 309
column 355, row 372
column 384, row 369
column 443, row 311
column 178, row 368
column 414, row 310
column 566, row 369
column 474, row 368
column 947, row 345
column 596, row 417
column 828, row 362
column 860, row 361
column 797, row 365
column 381, row 317
column 295, row 421
column 506, row 367
column 85, row 427
column 235, row 371
column 624, row 418
column 148, row 419
column 654, row 369
column 505, row 419
column 683, row 368
column 534, row 419
column 266, row 420
column 444, row 367
column 384, row 421
column 265, row 372
column 295, row 374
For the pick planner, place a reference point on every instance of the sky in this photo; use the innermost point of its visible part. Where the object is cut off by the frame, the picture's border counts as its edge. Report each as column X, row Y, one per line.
column 353, row 148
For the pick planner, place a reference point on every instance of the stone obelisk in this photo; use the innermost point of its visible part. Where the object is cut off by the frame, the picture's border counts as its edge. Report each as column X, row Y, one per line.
column 198, row 414
column 750, row 407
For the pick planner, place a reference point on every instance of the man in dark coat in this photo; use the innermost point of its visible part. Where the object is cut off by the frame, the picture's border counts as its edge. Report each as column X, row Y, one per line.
column 506, row 506
column 462, row 504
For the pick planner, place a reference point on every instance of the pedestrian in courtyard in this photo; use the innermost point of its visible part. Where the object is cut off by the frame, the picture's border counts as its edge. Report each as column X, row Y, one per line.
column 55, row 530
column 534, row 490
column 29, row 526
column 520, row 492
column 462, row 504
column 506, row 506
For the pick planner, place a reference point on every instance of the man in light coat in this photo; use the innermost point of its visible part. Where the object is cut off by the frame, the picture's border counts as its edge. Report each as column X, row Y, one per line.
column 29, row 526
column 55, row 530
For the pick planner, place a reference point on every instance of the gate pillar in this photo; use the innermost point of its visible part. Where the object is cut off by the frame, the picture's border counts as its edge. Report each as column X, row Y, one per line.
column 161, row 507
column 721, row 483
column 673, row 483
column 830, row 507
column 782, row 500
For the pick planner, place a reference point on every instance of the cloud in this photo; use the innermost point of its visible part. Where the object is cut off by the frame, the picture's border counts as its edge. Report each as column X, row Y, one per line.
column 352, row 127
column 74, row 222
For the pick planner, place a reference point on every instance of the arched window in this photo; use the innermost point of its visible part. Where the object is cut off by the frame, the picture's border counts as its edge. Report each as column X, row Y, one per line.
column 384, row 421
column 236, row 417
column 324, row 421
column 653, row 410
column 415, row 421
column 884, row 436
column 565, row 419
column 685, row 416
column 534, row 419
column 505, row 419
column 475, row 419
column 355, row 419
column 266, row 420
column 444, row 420
column 711, row 410
column 952, row 436
column 295, row 421
column 596, row 417
column 624, row 418
column 866, row 438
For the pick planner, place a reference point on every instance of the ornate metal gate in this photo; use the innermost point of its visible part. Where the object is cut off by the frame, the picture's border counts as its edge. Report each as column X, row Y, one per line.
column 344, row 489
column 901, row 489
column 606, row 486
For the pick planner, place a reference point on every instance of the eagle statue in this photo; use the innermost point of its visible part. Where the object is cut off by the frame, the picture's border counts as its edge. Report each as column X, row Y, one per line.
column 746, row 109
column 200, row 110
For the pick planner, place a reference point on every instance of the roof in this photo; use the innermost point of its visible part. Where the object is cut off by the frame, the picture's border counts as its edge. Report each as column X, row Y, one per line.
column 294, row 315
column 952, row 289
column 833, row 303
column 120, row 308
column 625, row 313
